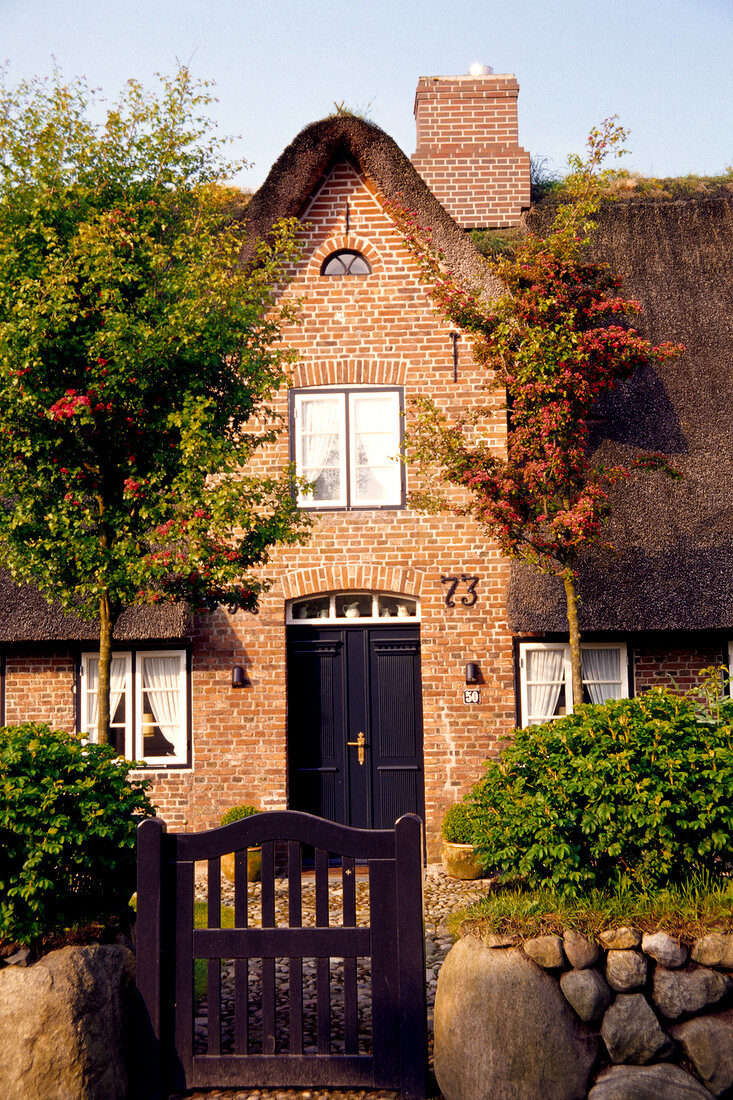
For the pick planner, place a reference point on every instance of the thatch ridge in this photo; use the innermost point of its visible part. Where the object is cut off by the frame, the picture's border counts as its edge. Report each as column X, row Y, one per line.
column 673, row 569
column 299, row 170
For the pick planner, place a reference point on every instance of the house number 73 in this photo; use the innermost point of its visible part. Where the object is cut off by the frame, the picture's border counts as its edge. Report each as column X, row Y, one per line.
column 470, row 582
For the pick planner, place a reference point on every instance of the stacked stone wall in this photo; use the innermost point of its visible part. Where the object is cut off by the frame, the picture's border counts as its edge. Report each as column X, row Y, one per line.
column 637, row 1015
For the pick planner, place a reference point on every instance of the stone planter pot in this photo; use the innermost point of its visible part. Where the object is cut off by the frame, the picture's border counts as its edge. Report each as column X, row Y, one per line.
column 254, row 865
column 461, row 861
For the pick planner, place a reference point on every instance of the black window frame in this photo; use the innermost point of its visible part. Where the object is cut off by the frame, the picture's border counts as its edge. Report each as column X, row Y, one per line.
column 348, row 274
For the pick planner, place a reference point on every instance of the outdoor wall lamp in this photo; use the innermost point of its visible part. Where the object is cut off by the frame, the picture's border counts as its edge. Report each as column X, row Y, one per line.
column 239, row 677
column 472, row 672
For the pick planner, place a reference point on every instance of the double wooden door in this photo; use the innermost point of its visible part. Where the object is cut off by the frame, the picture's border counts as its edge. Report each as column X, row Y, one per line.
column 355, row 723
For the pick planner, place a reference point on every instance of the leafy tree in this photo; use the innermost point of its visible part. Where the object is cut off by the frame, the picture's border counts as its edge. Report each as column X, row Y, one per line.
column 556, row 341
column 138, row 353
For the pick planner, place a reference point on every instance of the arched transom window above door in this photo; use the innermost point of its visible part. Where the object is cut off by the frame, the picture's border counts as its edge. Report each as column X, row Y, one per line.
column 350, row 607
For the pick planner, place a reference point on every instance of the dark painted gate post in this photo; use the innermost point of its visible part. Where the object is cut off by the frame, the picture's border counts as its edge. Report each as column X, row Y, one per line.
column 411, row 953
column 148, row 952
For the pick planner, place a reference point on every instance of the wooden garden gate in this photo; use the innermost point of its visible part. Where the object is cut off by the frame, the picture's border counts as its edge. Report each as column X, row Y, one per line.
column 299, row 992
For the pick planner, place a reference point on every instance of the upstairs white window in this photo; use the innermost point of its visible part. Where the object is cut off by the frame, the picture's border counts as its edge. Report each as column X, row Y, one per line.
column 546, row 681
column 148, row 704
column 347, row 445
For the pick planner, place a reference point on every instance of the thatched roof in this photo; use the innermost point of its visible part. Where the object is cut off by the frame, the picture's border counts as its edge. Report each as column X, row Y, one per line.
column 298, row 173
column 674, row 566
column 26, row 616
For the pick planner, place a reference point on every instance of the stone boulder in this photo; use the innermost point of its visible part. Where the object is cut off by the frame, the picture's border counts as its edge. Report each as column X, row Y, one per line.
column 546, row 951
column 588, row 993
column 648, row 1083
column 677, row 992
column 715, row 949
column 580, row 951
column 664, row 950
column 632, row 1033
column 620, row 939
column 708, row 1042
column 64, row 1024
column 625, row 970
column 504, row 1029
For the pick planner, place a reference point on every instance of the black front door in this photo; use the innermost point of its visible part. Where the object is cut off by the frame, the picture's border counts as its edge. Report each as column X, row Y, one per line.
column 355, row 723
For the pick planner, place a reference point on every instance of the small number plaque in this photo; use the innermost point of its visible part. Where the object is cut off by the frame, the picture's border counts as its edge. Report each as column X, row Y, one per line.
column 472, row 695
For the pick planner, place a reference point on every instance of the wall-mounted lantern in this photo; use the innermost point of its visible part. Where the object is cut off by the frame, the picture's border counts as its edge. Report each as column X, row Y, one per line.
column 239, row 677
column 472, row 672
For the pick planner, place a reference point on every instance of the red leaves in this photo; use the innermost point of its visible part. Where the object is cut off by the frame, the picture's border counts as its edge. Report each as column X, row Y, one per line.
column 68, row 405
column 551, row 343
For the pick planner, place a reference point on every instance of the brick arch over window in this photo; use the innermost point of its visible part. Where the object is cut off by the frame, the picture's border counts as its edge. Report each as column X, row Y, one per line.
column 349, row 372
column 352, row 243
column 344, row 578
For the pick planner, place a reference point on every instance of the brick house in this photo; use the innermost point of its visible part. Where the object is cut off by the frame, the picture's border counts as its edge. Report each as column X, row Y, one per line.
column 394, row 649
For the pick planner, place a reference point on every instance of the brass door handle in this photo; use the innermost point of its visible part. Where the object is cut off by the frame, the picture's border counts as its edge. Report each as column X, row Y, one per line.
column 359, row 744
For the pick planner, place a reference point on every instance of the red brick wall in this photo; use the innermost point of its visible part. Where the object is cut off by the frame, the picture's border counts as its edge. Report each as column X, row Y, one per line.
column 378, row 329
column 673, row 666
column 41, row 687
column 467, row 148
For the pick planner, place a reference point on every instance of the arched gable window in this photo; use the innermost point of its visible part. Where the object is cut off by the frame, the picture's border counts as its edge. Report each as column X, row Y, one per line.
column 346, row 262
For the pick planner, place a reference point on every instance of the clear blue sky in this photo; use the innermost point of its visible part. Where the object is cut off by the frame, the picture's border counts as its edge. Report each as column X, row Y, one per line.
column 664, row 66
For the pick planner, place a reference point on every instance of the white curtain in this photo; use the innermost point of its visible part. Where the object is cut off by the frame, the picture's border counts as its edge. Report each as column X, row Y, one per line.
column 601, row 674
column 545, row 666
column 376, row 443
column 117, row 675
column 320, row 429
column 162, row 684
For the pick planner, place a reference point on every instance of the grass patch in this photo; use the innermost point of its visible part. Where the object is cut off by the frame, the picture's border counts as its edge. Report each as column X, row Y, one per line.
column 200, row 920
column 496, row 242
column 632, row 186
column 684, row 912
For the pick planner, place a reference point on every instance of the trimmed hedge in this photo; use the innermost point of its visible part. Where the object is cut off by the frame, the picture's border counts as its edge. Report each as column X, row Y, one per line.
column 635, row 792
column 68, row 819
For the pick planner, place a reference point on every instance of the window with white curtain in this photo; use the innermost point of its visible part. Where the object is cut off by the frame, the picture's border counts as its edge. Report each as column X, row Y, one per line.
column 148, row 704
column 546, row 681
column 346, row 443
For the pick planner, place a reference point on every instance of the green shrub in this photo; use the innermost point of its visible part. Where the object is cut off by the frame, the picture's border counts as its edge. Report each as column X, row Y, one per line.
column 457, row 827
column 634, row 792
column 68, row 817
column 236, row 813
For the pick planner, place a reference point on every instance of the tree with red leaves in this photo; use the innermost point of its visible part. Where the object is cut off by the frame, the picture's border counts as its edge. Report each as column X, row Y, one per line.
column 558, row 339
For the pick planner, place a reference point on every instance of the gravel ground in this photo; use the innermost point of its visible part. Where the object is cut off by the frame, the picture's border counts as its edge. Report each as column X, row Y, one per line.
column 442, row 897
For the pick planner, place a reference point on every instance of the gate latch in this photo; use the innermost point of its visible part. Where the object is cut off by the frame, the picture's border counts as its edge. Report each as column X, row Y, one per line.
column 360, row 743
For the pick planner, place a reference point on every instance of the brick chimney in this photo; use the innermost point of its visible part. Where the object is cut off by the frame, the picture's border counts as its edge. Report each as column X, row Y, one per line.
column 468, row 148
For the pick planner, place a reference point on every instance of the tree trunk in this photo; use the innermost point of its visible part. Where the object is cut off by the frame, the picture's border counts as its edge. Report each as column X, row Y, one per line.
column 105, row 664
column 571, row 600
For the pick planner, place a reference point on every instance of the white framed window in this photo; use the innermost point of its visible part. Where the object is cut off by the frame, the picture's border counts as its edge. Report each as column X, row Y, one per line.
column 347, row 444
column 546, row 682
column 346, row 607
column 148, row 704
